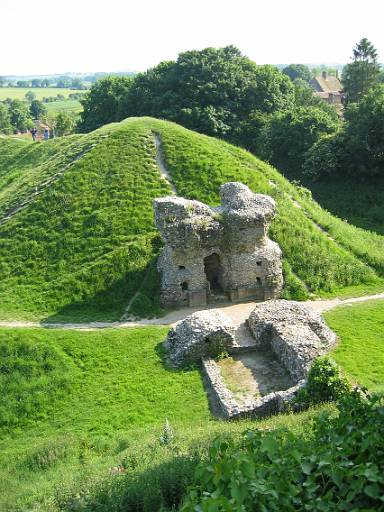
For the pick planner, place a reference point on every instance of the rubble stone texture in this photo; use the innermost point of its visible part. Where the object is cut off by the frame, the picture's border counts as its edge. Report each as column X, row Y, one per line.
column 202, row 334
column 294, row 332
column 218, row 252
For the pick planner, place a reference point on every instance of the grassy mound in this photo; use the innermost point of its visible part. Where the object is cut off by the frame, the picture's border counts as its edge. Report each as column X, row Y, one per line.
column 77, row 237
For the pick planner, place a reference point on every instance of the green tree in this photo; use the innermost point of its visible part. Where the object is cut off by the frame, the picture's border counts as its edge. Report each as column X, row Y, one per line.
column 36, row 82
column 102, row 104
column 210, row 90
column 37, row 109
column 295, row 71
column 358, row 149
column 292, row 133
column 305, row 97
column 76, row 83
column 65, row 123
column 364, row 133
column 30, row 96
column 363, row 73
column 5, row 119
column 2, row 81
column 251, row 132
column 20, row 115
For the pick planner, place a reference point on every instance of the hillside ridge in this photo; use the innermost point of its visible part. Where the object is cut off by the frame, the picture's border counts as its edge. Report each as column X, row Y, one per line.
column 85, row 246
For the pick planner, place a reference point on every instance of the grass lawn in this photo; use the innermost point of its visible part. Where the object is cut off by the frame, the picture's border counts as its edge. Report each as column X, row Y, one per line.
column 361, row 349
column 75, row 404
column 18, row 93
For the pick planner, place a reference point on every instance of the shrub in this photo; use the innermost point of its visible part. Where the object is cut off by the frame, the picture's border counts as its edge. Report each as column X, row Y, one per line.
column 340, row 467
column 325, row 383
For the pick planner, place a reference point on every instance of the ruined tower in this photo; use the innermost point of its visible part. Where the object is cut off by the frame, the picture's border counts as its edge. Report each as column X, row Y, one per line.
column 218, row 253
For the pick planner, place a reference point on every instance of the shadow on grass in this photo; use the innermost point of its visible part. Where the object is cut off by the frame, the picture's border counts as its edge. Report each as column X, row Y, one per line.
column 109, row 304
column 144, row 485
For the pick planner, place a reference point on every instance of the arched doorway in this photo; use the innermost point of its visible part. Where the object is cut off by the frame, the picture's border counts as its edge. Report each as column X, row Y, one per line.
column 214, row 273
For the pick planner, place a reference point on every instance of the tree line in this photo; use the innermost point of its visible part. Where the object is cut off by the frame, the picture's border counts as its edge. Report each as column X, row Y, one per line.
column 273, row 113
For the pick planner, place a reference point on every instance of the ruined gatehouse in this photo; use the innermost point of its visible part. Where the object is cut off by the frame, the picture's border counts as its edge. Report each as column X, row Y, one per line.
column 218, row 253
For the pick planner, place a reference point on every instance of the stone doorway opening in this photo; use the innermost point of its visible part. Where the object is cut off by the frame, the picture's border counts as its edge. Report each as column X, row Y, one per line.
column 214, row 273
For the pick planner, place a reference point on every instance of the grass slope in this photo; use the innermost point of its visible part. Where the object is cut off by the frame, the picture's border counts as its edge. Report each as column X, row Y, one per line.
column 361, row 348
column 76, row 404
column 360, row 203
column 86, row 243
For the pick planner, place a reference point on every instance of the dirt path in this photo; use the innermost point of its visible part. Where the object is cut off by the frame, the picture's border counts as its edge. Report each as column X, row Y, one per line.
column 161, row 164
column 237, row 312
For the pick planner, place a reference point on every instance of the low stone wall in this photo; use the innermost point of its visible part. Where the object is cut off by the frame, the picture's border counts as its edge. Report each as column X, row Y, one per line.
column 295, row 333
column 272, row 403
column 202, row 334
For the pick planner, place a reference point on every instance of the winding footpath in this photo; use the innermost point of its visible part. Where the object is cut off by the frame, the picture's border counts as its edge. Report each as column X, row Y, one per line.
column 237, row 312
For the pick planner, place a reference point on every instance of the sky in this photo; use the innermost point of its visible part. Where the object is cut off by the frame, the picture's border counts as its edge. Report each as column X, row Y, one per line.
column 44, row 37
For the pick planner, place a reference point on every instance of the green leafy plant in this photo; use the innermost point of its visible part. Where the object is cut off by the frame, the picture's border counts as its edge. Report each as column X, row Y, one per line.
column 325, row 383
column 339, row 467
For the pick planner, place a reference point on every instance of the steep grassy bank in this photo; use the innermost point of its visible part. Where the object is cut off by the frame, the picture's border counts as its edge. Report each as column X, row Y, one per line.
column 84, row 242
column 80, row 410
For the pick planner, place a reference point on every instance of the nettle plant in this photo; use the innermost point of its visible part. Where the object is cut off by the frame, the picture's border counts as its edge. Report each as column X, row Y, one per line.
column 339, row 466
column 326, row 383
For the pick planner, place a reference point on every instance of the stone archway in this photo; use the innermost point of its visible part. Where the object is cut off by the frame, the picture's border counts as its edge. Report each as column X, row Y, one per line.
column 214, row 273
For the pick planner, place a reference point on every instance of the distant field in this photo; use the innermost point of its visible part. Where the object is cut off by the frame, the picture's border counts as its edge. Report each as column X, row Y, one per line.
column 18, row 93
column 64, row 106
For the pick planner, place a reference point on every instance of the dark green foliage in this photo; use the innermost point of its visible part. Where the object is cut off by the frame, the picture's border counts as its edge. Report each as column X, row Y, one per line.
column 357, row 150
column 64, row 123
column 363, row 73
column 33, row 377
column 325, row 383
column 339, row 467
column 102, row 104
column 305, row 97
column 295, row 71
column 292, row 133
column 364, row 134
column 37, row 109
column 209, row 91
column 20, row 115
column 5, row 119
column 159, row 488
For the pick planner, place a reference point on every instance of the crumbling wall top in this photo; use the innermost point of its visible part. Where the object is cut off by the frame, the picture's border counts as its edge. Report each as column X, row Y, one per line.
column 237, row 200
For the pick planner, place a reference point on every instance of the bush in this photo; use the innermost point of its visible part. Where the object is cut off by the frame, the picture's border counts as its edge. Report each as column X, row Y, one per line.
column 325, row 383
column 340, row 467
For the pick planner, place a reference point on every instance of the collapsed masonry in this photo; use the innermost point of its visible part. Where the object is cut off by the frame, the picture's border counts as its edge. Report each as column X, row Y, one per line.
column 215, row 253
column 286, row 334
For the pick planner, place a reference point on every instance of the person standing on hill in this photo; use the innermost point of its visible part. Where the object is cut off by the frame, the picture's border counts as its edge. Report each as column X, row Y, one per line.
column 34, row 134
column 46, row 134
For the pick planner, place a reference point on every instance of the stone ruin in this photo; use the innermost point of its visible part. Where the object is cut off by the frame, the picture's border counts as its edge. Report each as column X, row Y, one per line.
column 218, row 253
column 285, row 336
